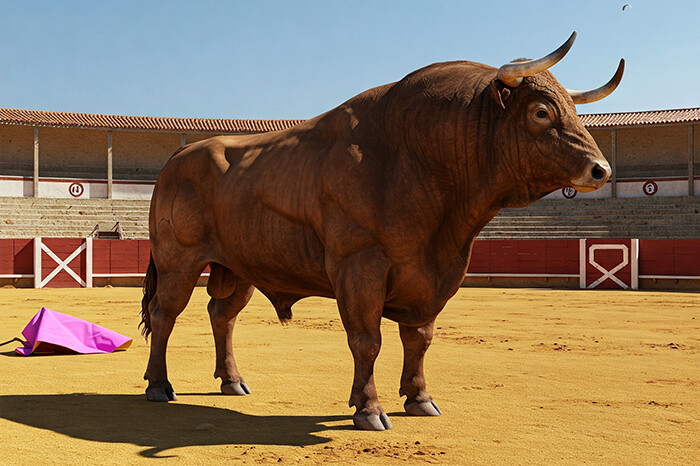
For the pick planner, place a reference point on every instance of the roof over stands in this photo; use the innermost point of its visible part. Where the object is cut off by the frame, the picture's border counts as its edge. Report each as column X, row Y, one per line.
column 137, row 123
column 653, row 117
column 222, row 125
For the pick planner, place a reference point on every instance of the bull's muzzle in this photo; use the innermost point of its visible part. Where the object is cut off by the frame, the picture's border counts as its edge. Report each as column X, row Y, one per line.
column 595, row 177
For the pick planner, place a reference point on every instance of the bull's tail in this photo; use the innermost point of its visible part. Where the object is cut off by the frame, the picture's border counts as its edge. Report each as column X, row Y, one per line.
column 150, row 285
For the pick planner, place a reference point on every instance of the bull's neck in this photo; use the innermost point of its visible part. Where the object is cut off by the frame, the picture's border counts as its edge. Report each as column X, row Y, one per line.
column 464, row 167
column 458, row 167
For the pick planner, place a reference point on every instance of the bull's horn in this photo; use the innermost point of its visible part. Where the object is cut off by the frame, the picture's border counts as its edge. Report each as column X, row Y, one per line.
column 585, row 97
column 511, row 74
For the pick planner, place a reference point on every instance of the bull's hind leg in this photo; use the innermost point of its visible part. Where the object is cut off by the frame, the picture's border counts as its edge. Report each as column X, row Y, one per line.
column 415, row 343
column 173, row 293
column 223, row 313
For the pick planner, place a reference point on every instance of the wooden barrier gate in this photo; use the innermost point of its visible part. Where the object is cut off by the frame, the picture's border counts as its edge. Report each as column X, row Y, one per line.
column 609, row 264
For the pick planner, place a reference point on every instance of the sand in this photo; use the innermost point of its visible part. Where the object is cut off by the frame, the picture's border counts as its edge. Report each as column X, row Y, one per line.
column 522, row 376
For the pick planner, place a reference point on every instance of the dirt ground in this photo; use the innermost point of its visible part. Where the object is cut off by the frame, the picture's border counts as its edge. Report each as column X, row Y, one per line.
column 523, row 376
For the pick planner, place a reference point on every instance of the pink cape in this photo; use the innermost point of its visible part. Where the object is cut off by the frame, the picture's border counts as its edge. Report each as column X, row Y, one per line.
column 53, row 332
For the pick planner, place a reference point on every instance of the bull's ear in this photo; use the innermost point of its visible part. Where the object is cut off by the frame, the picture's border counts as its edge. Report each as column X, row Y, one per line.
column 499, row 92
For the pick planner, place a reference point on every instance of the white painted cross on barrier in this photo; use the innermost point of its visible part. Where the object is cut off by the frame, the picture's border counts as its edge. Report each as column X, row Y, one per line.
column 609, row 273
column 62, row 264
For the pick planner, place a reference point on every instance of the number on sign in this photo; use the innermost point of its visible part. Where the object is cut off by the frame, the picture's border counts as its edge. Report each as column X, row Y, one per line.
column 568, row 192
column 650, row 188
column 76, row 189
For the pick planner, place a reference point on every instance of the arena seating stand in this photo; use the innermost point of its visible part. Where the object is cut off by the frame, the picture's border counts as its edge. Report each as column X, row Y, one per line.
column 642, row 218
column 26, row 217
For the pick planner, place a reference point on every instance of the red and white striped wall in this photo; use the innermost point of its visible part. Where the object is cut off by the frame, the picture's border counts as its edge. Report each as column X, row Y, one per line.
column 595, row 263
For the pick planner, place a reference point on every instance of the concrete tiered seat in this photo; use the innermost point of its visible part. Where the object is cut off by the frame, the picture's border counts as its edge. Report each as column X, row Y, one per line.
column 643, row 218
column 29, row 217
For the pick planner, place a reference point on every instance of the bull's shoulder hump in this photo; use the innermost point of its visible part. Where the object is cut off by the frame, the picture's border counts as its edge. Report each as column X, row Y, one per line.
column 221, row 143
column 207, row 152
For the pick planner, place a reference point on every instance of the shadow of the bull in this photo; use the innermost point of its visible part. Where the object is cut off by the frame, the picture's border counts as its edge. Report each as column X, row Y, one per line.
column 160, row 426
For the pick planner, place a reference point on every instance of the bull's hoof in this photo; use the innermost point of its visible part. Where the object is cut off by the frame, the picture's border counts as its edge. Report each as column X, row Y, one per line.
column 162, row 391
column 371, row 421
column 235, row 388
column 421, row 408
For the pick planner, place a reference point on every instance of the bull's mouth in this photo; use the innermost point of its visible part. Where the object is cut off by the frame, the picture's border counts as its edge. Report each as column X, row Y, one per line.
column 585, row 189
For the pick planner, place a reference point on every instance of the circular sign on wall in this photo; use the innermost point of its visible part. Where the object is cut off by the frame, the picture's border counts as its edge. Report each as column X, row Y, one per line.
column 76, row 189
column 650, row 188
column 568, row 192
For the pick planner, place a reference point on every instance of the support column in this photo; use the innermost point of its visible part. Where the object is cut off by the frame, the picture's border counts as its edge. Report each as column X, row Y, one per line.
column 109, row 165
column 691, row 161
column 36, row 162
column 183, row 139
column 613, row 165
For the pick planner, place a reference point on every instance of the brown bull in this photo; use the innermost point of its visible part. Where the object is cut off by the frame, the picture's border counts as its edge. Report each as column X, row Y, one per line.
column 375, row 203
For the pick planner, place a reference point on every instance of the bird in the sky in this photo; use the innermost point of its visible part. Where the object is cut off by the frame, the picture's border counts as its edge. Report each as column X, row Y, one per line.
column 625, row 6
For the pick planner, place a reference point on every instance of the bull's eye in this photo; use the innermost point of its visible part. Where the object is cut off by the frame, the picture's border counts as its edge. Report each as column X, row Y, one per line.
column 541, row 114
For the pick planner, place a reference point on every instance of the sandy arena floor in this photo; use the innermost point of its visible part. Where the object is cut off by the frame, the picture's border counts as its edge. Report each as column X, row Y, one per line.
column 522, row 376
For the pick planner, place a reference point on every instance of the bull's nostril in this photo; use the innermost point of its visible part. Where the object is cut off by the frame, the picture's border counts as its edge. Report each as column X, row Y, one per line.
column 598, row 173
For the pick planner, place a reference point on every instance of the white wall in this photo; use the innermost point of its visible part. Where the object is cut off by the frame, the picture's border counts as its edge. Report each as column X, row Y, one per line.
column 97, row 189
column 73, row 188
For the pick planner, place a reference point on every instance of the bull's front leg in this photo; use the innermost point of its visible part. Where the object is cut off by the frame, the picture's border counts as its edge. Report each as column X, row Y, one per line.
column 360, row 290
column 416, row 341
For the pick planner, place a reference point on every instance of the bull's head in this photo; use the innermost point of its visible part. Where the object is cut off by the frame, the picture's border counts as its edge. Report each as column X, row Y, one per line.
column 541, row 120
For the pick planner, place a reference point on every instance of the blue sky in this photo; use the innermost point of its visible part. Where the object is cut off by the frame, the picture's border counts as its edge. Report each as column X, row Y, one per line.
column 296, row 59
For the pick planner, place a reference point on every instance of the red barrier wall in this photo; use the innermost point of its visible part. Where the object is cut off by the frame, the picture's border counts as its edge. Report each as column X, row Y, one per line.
column 525, row 257
column 16, row 256
column 675, row 257
column 662, row 259
column 120, row 256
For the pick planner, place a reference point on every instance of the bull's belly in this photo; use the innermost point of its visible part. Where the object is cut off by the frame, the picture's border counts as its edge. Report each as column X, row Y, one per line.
column 299, row 280
column 277, row 256
column 280, row 256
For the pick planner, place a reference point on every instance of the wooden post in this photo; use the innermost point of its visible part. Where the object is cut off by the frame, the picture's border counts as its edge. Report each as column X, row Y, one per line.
column 36, row 162
column 582, row 263
column 691, row 161
column 109, row 165
column 634, row 263
column 88, row 262
column 613, row 165
column 37, row 262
